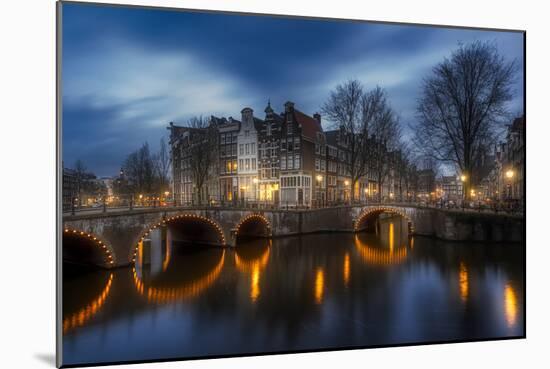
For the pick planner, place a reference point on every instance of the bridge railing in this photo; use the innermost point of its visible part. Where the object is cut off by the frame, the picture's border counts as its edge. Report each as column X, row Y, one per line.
column 153, row 201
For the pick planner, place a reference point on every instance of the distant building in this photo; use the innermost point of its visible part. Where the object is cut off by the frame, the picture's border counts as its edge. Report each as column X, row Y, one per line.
column 451, row 187
column 426, row 182
column 69, row 188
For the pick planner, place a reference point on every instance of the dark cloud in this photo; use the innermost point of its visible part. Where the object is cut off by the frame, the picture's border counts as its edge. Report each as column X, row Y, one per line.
column 127, row 72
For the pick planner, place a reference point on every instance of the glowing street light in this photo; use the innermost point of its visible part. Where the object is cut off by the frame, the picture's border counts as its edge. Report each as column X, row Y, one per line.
column 166, row 193
column 346, row 182
column 463, row 178
column 255, row 180
column 319, row 178
column 509, row 174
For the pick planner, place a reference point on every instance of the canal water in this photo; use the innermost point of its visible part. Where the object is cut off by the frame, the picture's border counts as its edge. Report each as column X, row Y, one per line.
column 316, row 291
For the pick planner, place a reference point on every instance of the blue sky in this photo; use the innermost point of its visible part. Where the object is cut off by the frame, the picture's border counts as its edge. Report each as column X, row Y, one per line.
column 128, row 72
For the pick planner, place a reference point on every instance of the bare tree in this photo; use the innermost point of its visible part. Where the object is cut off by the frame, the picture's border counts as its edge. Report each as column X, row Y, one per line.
column 356, row 112
column 140, row 170
column 162, row 165
column 384, row 142
column 344, row 109
column 202, row 152
column 462, row 102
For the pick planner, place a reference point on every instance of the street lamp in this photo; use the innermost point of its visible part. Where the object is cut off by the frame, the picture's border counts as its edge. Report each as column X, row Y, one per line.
column 509, row 174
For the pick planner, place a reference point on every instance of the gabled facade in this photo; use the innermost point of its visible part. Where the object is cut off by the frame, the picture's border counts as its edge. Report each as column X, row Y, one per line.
column 298, row 138
column 269, row 149
column 247, row 156
column 228, row 179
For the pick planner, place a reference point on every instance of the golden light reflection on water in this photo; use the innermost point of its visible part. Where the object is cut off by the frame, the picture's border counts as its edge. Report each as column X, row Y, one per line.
column 87, row 312
column 255, row 283
column 186, row 291
column 168, row 255
column 346, row 269
column 319, row 285
column 510, row 305
column 463, row 281
column 391, row 237
column 254, row 267
column 378, row 256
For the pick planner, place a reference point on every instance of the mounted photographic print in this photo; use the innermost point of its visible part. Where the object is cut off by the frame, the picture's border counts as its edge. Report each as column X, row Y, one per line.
column 239, row 184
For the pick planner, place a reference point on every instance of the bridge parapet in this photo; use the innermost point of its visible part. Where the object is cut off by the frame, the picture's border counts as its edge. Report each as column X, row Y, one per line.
column 122, row 230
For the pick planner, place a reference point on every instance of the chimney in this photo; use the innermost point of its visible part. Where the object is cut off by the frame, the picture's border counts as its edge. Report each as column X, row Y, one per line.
column 289, row 106
column 317, row 117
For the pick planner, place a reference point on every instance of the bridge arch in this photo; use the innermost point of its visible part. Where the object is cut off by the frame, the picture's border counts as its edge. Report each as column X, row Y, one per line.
column 189, row 218
column 253, row 225
column 108, row 259
column 369, row 214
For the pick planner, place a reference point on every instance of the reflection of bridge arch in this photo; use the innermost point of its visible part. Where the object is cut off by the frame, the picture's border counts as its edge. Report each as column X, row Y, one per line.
column 253, row 225
column 186, row 291
column 80, row 317
column 109, row 259
column 186, row 217
column 371, row 213
column 376, row 256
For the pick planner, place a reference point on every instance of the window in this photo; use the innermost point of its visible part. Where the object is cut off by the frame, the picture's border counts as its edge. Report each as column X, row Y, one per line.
column 222, row 138
column 247, row 150
column 241, row 164
column 268, row 129
column 283, row 162
column 296, row 143
column 317, row 166
column 253, row 164
column 246, row 133
column 247, row 164
column 296, row 161
column 253, row 148
column 289, row 162
column 234, row 165
column 323, row 165
column 289, row 127
column 241, row 149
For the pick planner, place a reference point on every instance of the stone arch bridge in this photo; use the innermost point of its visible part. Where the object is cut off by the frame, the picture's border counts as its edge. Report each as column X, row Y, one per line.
column 118, row 233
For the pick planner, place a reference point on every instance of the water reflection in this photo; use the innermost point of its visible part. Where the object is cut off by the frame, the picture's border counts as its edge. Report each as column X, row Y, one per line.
column 463, row 281
column 294, row 293
column 510, row 305
column 319, row 285
column 170, row 270
column 78, row 318
column 346, row 269
column 251, row 258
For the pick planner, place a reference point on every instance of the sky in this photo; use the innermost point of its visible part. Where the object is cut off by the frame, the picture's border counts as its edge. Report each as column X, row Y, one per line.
column 128, row 72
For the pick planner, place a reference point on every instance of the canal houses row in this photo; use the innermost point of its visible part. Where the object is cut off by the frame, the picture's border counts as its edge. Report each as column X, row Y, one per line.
column 285, row 159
